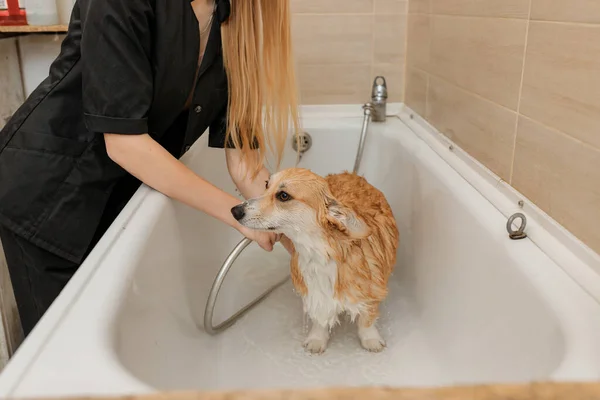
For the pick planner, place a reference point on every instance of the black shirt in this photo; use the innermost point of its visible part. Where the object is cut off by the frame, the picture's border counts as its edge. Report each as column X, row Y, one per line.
column 125, row 67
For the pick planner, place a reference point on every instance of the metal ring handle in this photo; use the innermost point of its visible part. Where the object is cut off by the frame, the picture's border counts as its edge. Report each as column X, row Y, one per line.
column 519, row 233
column 216, row 287
column 380, row 77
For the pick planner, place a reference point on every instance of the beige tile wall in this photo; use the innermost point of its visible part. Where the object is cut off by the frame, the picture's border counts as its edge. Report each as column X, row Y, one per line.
column 341, row 45
column 516, row 83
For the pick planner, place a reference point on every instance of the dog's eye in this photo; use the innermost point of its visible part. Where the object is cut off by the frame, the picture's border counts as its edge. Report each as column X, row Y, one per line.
column 266, row 184
column 283, row 196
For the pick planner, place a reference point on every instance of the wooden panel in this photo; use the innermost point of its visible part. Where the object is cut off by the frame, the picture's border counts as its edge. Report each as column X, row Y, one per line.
column 11, row 324
column 11, row 88
column 33, row 29
column 11, row 97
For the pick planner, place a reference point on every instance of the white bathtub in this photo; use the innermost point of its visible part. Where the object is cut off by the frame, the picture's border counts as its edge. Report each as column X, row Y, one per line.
column 466, row 304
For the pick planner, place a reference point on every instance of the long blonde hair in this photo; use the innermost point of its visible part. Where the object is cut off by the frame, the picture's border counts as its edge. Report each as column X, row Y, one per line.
column 263, row 96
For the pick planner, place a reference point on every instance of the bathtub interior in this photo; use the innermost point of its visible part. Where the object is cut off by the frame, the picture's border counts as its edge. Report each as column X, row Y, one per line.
column 460, row 309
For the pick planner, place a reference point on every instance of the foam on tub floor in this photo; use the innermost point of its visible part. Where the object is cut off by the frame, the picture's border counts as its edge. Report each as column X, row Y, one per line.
column 264, row 350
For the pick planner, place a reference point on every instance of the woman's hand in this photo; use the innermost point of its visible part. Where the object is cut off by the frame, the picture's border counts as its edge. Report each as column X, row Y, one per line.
column 265, row 240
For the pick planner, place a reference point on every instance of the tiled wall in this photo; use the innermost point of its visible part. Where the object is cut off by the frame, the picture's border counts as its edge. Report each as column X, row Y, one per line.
column 516, row 83
column 341, row 45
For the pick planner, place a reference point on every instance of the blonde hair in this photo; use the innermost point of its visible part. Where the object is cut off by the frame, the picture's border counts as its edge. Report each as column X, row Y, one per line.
column 263, row 97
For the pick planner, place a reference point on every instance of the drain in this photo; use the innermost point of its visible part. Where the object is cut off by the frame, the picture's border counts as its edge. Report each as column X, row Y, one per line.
column 301, row 142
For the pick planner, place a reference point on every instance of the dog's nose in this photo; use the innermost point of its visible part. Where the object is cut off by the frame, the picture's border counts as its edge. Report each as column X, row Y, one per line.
column 238, row 212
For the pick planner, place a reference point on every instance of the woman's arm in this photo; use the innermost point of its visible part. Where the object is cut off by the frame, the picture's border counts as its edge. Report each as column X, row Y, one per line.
column 249, row 187
column 148, row 161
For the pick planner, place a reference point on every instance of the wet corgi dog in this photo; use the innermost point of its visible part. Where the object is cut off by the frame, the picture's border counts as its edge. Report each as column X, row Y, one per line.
column 345, row 240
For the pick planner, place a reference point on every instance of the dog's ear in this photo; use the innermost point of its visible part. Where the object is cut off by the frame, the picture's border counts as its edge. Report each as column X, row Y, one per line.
column 345, row 220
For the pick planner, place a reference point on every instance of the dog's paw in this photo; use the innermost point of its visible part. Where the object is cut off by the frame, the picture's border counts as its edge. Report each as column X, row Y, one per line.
column 374, row 345
column 370, row 339
column 315, row 345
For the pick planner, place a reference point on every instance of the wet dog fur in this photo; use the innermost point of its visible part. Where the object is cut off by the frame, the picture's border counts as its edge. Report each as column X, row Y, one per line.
column 345, row 240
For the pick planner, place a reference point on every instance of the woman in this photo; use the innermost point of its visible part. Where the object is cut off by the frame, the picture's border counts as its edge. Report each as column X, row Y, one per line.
column 135, row 84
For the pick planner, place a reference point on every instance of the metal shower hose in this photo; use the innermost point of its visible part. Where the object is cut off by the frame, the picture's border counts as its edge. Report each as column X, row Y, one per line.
column 235, row 253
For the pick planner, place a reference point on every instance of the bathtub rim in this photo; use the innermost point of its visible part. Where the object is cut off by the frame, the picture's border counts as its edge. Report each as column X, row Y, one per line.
column 577, row 259
column 36, row 344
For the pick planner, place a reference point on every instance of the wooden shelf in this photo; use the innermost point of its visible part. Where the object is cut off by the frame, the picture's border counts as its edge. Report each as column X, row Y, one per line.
column 34, row 29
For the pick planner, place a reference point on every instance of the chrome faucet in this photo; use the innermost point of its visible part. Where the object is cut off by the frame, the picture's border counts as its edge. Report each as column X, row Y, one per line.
column 379, row 99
